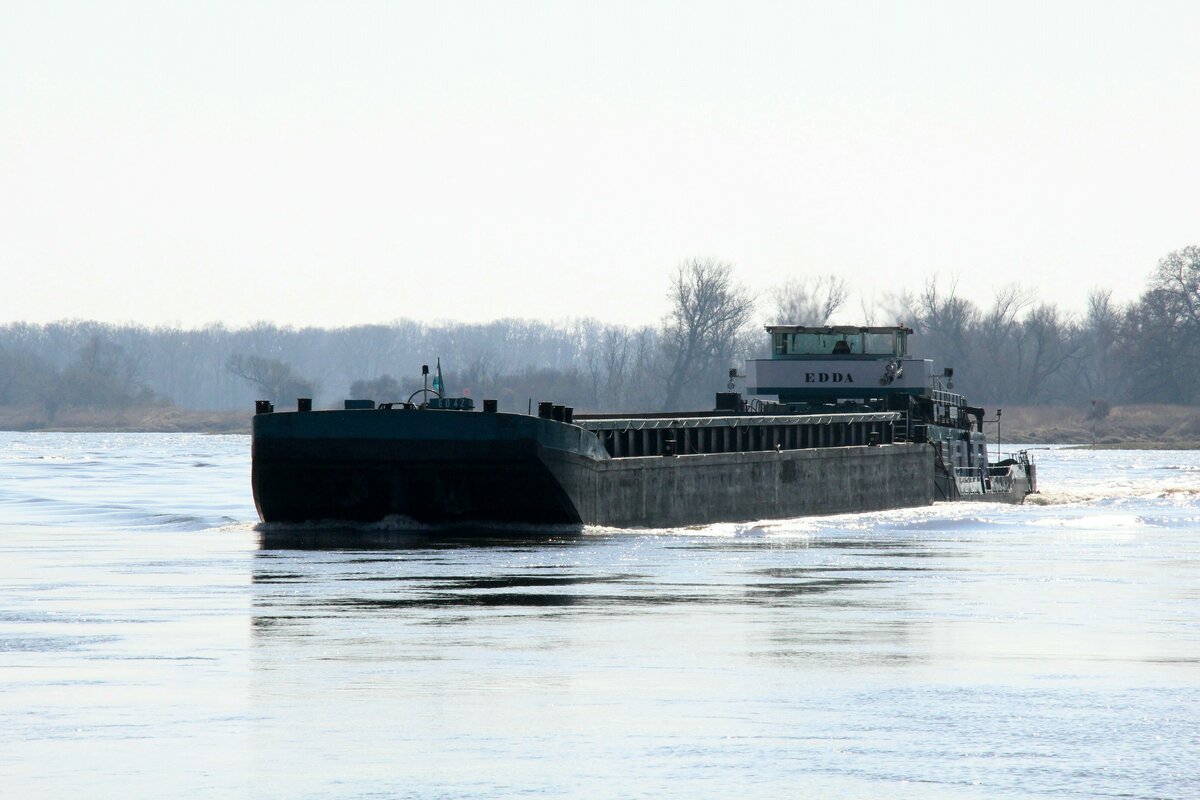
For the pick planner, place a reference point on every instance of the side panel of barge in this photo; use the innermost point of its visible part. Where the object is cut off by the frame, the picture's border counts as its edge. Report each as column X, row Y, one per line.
column 732, row 487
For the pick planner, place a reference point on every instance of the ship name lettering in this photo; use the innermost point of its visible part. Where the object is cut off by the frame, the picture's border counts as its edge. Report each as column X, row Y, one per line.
column 828, row 377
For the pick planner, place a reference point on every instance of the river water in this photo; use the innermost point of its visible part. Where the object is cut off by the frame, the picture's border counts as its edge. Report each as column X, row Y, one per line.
column 155, row 643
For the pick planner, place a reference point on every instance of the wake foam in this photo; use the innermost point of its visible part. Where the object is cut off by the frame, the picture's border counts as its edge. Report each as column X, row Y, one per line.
column 1141, row 490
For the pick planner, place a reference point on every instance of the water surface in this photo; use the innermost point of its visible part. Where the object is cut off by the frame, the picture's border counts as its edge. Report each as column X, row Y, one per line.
column 154, row 642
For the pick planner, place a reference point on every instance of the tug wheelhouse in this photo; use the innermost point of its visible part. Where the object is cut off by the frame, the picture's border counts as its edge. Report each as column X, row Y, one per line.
column 827, row 365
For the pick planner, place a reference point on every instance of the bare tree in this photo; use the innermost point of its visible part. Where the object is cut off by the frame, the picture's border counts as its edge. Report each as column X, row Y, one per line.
column 997, row 334
column 1160, row 354
column 103, row 375
column 1048, row 342
column 275, row 379
column 809, row 302
column 640, row 390
column 944, row 321
column 383, row 389
column 606, row 363
column 25, row 378
column 709, row 312
column 479, row 375
column 1162, row 331
column 1178, row 279
column 1100, row 374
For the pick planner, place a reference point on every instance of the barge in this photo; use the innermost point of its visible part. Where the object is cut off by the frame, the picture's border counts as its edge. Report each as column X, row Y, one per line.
column 838, row 419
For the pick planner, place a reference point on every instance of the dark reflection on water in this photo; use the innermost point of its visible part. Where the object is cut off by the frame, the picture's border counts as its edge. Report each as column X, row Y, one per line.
column 885, row 548
column 517, row 581
column 491, row 582
column 32, row 644
column 337, row 537
column 796, row 572
column 419, row 572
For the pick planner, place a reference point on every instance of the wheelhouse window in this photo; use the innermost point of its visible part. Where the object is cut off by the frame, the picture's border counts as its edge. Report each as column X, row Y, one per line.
column 881, row 344
column 788, row 341
column 818, row 344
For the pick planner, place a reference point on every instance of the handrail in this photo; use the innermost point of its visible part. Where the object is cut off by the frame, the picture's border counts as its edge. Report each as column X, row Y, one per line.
column 738, row 421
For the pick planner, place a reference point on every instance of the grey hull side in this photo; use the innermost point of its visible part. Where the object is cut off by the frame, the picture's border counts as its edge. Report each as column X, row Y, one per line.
column 456, row 467
column 734, row 487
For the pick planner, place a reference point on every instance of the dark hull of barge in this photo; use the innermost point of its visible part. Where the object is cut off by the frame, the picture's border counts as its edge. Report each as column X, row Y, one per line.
column 433, row 466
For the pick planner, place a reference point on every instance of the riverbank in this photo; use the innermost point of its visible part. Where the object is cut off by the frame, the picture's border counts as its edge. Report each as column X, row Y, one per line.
column 1125, row 427
column 145, row 419
column 1139, row 427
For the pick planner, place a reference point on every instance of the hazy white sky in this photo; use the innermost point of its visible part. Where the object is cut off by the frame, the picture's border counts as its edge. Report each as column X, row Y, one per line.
column 336, row 163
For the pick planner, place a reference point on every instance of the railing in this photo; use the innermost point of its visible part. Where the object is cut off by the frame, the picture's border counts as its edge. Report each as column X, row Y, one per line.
column 625, row 437
column 593, row 423
column 1002, row 479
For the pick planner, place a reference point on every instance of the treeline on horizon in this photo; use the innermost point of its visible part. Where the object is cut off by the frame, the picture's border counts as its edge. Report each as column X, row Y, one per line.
column 1011, row 349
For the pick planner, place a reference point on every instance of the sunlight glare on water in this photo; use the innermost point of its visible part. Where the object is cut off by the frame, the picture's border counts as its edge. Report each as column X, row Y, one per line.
column 154, row 642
